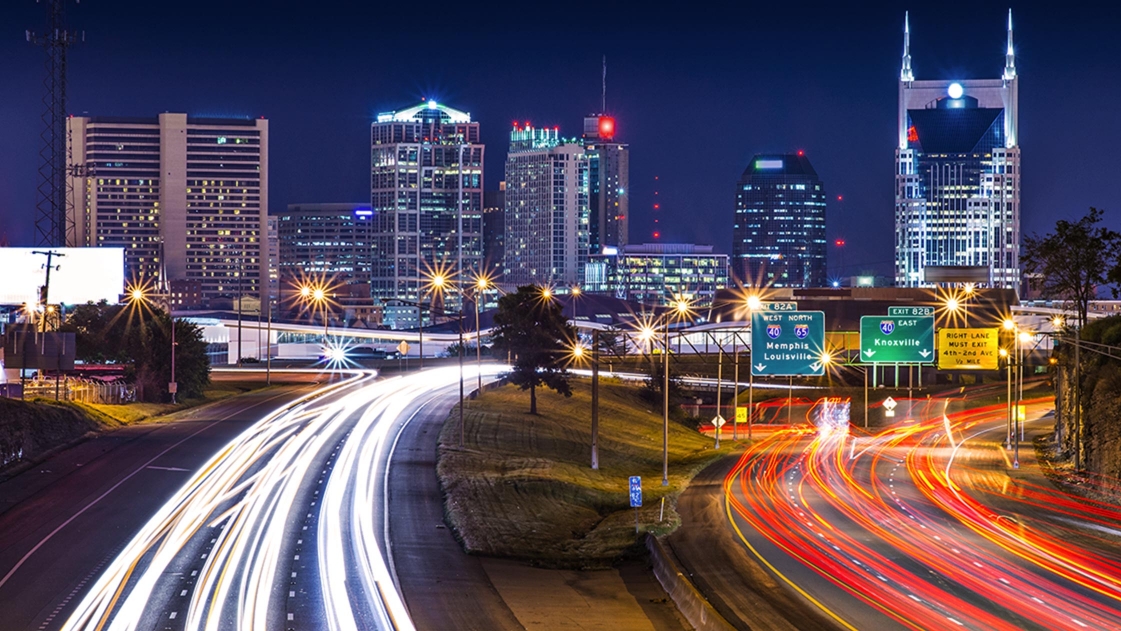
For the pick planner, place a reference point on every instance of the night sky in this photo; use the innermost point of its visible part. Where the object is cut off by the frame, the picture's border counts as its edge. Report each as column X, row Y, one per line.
column 697, row 89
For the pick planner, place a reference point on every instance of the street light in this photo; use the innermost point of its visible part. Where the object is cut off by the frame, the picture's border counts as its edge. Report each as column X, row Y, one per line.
column 436, row 283
column 482, row 283
column 681, row 309
column 754, row 303
column 579, row 352
column 316, row 296
column 138, row 297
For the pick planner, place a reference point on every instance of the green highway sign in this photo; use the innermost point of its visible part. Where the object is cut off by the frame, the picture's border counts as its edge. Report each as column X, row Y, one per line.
column 910, row 311
column 897, row 339
column 787, row 343
column 778, row 306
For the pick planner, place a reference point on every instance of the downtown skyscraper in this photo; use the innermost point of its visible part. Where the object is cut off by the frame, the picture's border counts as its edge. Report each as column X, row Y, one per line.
column 778, row 239
column 426, row 192
column 608, row 184
column 547, row 214
column 957, row 178
column 185, row 197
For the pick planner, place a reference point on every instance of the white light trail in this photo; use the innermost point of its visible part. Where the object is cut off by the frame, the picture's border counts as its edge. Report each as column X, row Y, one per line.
column 249, row 499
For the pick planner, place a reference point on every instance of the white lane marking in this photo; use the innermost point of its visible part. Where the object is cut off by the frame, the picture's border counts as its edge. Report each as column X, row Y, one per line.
column 85, row 508
column 169, row 468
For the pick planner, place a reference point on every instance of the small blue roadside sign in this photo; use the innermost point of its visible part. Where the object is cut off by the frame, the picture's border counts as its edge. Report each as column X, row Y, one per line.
column 636, row 491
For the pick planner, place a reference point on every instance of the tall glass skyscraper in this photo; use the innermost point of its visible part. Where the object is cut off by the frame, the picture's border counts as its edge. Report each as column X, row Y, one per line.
column 608, row 184
column 957, row 178
column 426, row 191
column 547, row 220
column 779, row 234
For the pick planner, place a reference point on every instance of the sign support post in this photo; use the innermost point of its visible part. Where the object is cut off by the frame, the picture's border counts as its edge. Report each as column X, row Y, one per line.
column 636, row 498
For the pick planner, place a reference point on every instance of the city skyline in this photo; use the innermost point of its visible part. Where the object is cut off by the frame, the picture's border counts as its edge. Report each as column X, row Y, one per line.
column 844, row 117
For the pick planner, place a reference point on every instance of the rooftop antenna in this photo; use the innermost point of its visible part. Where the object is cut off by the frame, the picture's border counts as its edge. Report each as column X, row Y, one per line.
column 603, row 97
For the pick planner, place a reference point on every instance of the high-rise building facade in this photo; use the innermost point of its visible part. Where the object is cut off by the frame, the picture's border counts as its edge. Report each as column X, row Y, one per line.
column 494, row 232
column 272, row 241
column 779, row 231
column 547, row 212
column 426, row 191
column 332, row 242
column 186, row 197
column 608, row 184
column 658, row 273
column 957, row 177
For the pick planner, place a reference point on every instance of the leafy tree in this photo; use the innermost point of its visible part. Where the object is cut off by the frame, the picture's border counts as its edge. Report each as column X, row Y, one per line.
column 534, row 331
column 140, row 337
column 1072, row 262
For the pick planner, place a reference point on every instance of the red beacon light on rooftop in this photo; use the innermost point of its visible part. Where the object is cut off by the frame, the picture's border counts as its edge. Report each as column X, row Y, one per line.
column 801, row 153
column 606, row 127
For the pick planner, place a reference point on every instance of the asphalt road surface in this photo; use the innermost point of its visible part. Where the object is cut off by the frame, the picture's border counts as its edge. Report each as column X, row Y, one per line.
column 62, row 521
column 925, row 525
column 284, row 524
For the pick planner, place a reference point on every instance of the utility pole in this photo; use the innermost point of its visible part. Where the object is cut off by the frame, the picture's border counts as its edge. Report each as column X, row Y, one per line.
column 44, row 291
column 595, row 399
column 51, row 222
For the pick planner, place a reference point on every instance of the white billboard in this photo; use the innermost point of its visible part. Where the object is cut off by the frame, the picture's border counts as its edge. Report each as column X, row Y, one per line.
column 81, row 275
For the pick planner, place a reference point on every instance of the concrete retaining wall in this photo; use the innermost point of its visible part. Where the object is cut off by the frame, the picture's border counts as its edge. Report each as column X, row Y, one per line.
column 696, row 609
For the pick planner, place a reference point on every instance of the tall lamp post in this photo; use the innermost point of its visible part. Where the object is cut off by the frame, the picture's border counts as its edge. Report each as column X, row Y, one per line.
column 482, row 283
column 436, row 284
column 681, row 308
column 578, row 353
column 753, row 305
column 138, row 297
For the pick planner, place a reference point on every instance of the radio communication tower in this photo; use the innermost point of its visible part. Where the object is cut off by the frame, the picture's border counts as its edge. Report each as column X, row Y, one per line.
column 52, row 224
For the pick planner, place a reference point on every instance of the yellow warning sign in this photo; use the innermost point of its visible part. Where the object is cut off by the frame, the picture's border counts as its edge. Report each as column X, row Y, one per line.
column 968, row 349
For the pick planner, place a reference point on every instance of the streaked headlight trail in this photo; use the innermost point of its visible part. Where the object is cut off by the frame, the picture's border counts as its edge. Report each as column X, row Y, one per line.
column 221, row 548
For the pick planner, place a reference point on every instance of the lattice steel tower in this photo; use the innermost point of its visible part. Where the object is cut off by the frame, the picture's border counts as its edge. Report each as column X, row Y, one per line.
column 51, row 223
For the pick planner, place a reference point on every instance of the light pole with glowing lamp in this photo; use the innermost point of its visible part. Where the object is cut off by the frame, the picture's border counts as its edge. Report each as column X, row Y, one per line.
column 681, row 309
column 753, row 305
column 578, row 354
column 436, row 283
column 482, row 283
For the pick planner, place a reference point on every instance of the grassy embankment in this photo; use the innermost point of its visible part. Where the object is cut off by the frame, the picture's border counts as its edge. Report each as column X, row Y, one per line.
column 524, row 488
column 30, row 429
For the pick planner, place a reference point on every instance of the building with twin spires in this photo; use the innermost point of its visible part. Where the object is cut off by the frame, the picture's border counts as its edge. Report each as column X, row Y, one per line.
column 957, row 178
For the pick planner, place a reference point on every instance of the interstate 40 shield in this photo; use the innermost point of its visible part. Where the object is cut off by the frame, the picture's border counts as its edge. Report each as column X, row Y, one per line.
column 897, row 339
column 787, row 343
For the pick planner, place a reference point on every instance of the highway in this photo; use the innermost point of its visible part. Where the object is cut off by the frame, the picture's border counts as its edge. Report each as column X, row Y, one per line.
column 925, row 525
column 65, row 518
column 285, row 526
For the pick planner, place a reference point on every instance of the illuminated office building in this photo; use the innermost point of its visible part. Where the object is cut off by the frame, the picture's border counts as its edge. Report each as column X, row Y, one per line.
column 546, row 208
column 185, row 196
column 658, row 273
column 332, row 242
column 957, row 178
column 779, row 231
column 426, row 191
column 608, row 184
